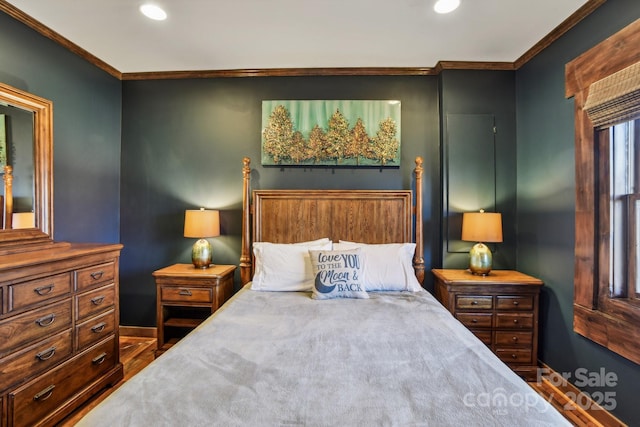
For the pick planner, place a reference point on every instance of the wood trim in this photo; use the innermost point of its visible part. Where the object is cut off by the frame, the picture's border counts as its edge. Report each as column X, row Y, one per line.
column 245, row 251
column 559, row 31
column 138, row 331
column 565, row 26
column 39, row 27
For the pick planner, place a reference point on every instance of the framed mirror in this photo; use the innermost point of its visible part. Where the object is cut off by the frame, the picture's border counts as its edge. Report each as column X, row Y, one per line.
column 26, row 147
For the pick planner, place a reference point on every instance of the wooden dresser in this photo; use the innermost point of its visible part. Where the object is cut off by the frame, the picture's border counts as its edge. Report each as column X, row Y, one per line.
column 501, row 309
column 58, row 330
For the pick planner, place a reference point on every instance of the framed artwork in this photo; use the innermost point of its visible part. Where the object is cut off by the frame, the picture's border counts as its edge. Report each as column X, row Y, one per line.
column 331, row 133
column 3, row 143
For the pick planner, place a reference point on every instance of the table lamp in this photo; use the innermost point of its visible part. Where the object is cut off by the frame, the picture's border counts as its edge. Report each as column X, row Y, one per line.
column 481, row 227
column 201, row 224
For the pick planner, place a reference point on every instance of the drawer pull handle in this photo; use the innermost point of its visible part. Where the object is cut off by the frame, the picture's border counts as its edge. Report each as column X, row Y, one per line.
column 99, row 359
column 474, row 320
column 46, row 320
column 99, row 327
column 516, row 303
column 46, row 354
column 513, row 356
column 97, row 275
column 185, row 292
column 97, row 300
column 515, row 320
column 474, row 302
column 44, row 394
column 514, row 339
column 44, row 290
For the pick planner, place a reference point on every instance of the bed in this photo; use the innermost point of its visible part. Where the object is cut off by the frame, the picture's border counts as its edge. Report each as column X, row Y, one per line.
column 330, row 328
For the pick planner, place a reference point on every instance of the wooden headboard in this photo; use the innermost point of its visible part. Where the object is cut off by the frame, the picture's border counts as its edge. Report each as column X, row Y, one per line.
column 368, row 216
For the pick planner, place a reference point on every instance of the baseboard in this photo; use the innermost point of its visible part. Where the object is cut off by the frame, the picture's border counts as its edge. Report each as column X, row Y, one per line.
column 138, row 331
column 573, row 399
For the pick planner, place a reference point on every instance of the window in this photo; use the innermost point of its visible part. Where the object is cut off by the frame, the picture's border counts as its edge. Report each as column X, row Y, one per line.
column 607, row 247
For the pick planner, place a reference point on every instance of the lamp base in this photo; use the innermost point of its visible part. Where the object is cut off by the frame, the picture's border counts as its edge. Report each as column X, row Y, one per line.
column 480, row 259
column 201, row 254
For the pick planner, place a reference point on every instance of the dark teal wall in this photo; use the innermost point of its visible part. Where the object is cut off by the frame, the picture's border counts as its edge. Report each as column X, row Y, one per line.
column 182, row 147
column 546, row 201
column 86, row 125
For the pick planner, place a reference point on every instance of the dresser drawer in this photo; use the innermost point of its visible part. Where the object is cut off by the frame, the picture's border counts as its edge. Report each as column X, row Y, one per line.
column 475, row 320
column 34, row 400
column 24, row 294
column 514, row 302
column 95, row 275
column 474, row 302
column 185, row 293
column 95, row 329
column 514, row 320
column 96, row 301
column 34, row 325
column 484, row 336
column 513, row 338
column 35, row 359
column 515, row 355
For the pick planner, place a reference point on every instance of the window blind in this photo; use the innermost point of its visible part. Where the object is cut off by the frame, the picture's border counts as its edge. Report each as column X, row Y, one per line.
column 615, row 98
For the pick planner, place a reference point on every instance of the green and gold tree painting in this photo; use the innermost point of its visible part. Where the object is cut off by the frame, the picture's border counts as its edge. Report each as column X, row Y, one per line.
column 331, row 133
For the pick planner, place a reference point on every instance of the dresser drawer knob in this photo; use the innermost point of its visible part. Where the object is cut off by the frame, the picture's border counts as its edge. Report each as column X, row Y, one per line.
column 97, row 275
column 44, row 394
column 514, row 339
column 99, row 359
column 99, row 327
column 516, row 303
column 474, row 302
column 44, row 290
column 97, row 300
column 474, row 320
column 46, row 354
column 185, row 292
column 46, row 320
column 513, row 356
column 515, row 320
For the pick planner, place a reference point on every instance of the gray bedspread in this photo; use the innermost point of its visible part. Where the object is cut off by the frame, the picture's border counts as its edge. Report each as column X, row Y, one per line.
column 284, row 359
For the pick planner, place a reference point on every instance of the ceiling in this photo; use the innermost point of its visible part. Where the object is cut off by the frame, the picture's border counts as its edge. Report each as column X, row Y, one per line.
column 263, row 34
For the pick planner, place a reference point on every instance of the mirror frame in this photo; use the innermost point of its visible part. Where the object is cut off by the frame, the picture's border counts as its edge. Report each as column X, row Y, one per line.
column 42, row 109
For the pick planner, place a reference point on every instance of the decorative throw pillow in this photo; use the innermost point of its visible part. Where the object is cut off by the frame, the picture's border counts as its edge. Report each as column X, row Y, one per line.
column 285, row 267
column 337, row 274
column 386, row 267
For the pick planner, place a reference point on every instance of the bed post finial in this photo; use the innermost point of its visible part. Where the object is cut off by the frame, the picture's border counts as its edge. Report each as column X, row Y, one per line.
column 418, row 257
column 245, row 256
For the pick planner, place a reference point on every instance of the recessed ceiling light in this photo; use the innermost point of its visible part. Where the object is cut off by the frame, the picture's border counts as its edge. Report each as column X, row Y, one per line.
column 446, row 6
column 153, row 12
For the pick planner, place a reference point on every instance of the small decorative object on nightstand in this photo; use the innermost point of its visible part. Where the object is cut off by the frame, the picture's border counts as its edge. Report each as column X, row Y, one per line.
column 186, row 296
column 500, row 309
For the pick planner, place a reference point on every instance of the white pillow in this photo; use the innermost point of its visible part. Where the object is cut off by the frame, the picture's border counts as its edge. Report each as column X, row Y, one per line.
column 337, row 274
column 387, row 267
column 285, row 267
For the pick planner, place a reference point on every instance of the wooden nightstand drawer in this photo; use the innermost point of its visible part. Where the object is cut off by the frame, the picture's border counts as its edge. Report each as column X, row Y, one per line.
column 36, row 399
column 515, row 355
column 33, row 292
column 35, row 359
column 514, row 302
column 95, row 275
column 96, row 301
column 95, row 329
column 514, row 320
column 511, row 338
column 34, row 325
column 474, row 302
column 476, row 320
column 186, row 294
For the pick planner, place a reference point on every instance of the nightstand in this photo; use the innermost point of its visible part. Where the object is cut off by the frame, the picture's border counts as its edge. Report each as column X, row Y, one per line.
column 186, row 296
column 501, row 309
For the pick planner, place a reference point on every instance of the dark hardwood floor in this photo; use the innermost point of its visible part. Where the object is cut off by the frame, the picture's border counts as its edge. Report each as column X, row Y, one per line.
column 138, row 352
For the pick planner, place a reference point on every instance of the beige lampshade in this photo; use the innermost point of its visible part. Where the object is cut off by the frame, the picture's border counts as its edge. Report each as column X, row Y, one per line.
column 482, row 227
column 23, row 220
column 201, row 223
